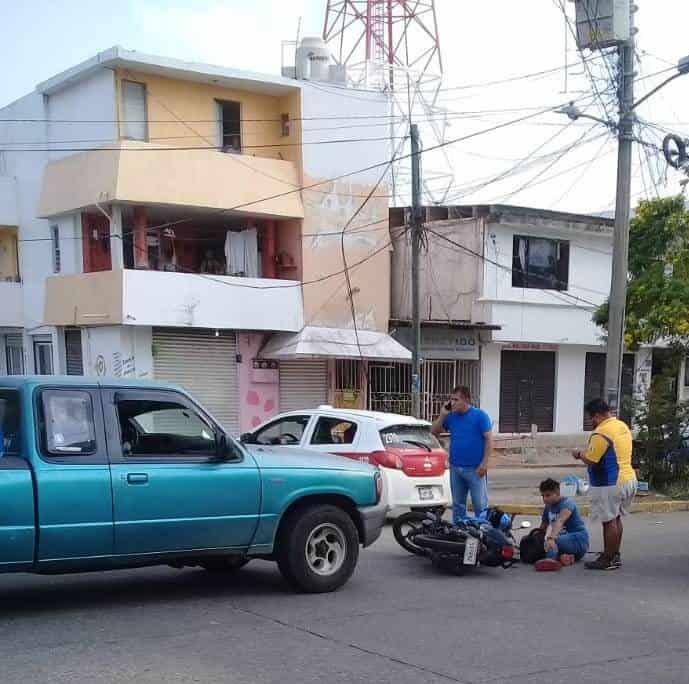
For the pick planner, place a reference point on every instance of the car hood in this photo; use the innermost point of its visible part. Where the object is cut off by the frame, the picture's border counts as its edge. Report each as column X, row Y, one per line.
column 288, row 457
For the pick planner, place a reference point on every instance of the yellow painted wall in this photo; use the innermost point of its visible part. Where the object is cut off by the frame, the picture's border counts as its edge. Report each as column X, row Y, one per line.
column 9, row 269
column 170, row 102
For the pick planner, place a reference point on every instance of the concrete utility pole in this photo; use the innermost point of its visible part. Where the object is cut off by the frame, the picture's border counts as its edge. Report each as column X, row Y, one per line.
column 416, row 230
column 620, row 254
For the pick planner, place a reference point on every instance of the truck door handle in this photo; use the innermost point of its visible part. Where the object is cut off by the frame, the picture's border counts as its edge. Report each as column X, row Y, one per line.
column 137, row 478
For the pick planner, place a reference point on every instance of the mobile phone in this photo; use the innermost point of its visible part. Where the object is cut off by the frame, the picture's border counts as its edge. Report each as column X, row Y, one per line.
column 448, row 406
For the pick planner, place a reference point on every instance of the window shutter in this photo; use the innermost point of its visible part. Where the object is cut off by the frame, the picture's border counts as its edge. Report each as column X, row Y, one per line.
column 135, row 122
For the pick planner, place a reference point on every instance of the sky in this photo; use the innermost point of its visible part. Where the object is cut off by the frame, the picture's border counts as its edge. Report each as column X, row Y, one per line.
column 481, row 42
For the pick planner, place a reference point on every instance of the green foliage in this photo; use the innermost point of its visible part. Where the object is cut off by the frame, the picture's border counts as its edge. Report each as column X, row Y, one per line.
column 661, row 422
column 658, row 289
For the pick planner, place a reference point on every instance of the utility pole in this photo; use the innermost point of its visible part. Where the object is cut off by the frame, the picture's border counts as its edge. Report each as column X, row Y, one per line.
column 620, row 254
column 416, row 229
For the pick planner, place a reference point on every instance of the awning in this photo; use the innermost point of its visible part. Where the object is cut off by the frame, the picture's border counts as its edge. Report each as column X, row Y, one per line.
column 330, row 343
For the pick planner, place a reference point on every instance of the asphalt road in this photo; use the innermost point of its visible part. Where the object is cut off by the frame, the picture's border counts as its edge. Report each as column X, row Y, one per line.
column 396, row 621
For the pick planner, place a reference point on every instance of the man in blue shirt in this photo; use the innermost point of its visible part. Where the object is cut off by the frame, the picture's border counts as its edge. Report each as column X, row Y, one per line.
column 471, row 447
column 567, row 540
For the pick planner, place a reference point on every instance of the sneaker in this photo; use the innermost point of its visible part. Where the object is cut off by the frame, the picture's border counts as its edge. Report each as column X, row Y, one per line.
column 617, row 560
column 601, row 563
column 567, row 559
column 548, row 565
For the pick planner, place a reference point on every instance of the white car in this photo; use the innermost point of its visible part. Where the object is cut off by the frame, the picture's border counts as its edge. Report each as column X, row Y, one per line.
column 412, row 462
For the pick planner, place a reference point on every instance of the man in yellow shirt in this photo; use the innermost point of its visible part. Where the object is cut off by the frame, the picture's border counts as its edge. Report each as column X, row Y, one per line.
column 612, row 479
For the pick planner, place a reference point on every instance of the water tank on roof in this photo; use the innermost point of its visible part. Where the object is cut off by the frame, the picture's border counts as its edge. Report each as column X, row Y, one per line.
column 313, row 60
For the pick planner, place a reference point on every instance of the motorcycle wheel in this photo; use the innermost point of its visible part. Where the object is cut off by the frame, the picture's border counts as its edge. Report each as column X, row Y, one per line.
column 405, row 527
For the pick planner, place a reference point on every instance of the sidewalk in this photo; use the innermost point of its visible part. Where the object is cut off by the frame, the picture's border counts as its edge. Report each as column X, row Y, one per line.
column 515, row 490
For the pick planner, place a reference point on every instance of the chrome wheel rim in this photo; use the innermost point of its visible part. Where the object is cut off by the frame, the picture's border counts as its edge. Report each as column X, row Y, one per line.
column 326, row 549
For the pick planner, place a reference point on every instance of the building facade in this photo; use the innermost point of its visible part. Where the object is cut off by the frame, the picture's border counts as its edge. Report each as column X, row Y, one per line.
column 178, row 221
column 521, row 286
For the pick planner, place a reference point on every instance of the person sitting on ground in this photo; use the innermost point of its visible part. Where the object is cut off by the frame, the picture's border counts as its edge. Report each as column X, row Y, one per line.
column 567, row 540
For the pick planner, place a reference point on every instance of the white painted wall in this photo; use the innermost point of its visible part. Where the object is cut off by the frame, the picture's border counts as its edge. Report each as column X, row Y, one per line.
column 9, row 212
column 90, row 99
column 92, row 102
column 225, row 302
column 532, row 315
column 118, row 351
column 328, row 161
column 490, row 381
column 570, row 372
column 11, row 305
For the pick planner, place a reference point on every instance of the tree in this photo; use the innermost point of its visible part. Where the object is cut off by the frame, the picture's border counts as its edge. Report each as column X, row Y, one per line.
column 658, row 287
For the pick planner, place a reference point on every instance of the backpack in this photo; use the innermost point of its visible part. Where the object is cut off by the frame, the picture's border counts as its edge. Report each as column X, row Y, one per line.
column 531, row 547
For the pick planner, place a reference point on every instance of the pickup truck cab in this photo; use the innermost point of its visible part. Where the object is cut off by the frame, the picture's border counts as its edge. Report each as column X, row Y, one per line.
column 100, row 474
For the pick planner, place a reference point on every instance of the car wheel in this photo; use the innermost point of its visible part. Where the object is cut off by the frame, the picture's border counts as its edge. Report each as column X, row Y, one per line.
column 226, row 564
column 318, row 549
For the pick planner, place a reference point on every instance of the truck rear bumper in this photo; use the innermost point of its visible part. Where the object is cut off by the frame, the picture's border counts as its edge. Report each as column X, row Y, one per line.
column 372, row 521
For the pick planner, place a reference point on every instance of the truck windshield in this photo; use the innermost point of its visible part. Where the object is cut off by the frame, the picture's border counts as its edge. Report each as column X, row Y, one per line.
column 9, row 422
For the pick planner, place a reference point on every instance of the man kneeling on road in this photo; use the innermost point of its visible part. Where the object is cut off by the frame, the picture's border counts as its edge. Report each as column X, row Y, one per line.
column 612, row 479
column 568, row 539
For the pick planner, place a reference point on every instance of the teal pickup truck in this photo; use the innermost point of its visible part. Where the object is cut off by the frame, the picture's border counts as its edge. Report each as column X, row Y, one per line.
column 101, row 475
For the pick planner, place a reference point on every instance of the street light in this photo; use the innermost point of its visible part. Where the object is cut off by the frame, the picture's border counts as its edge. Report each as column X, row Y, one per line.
column 620, row 260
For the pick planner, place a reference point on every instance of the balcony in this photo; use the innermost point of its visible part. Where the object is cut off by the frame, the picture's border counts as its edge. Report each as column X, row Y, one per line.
column 162, row 298
column 143, row 173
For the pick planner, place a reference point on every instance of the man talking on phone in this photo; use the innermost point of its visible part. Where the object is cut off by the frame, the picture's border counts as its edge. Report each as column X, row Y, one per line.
column 471, row 448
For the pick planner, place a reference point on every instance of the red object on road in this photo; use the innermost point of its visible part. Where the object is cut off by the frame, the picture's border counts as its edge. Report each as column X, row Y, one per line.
column 548, row 565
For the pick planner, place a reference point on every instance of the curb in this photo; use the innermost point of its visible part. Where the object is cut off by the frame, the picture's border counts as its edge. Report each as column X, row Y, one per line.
column 584, row 509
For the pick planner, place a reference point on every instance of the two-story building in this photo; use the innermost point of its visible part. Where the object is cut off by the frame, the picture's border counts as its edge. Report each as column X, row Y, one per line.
column 507, row 296
column 181, row 221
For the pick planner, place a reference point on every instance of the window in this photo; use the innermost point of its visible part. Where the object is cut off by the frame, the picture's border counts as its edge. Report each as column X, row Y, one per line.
column 163, row 428
column 134, row 115
column 9, row 421
column 68, row 427
column 14, row 355
column 55, row 241
column 334, row 431
column 43, row 357
column 229, row 114
column 409, row 436
column 540, row 263
column 286, row 431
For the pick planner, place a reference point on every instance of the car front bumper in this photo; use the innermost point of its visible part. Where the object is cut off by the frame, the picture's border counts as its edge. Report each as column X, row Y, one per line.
column 372, row 521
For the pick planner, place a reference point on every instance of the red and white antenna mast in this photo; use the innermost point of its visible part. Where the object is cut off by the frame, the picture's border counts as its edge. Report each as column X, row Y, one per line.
column 394, row 45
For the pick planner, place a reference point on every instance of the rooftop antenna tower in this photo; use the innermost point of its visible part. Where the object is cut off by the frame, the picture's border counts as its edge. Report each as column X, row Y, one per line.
column 394, row 46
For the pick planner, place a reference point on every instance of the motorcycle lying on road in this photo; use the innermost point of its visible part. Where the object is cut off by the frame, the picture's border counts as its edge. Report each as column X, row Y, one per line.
column 485, row 540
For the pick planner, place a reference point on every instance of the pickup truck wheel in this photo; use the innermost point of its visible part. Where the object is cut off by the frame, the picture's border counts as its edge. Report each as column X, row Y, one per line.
column 226, row 564
column 318, row 549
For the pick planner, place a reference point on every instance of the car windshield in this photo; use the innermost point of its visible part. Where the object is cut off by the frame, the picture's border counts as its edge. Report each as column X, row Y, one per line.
column 409, row 436
column 9, row 421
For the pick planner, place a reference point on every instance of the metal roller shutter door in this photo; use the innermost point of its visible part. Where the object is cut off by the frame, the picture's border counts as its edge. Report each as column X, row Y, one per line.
column 205, row 365
column 73, row 351
column 303, row 385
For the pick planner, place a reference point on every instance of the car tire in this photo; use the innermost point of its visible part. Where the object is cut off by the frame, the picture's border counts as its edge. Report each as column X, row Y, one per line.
column 318, row 549
column 225, row 564
column 403, row 525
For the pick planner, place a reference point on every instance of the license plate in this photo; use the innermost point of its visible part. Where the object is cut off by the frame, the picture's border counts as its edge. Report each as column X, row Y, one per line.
column 426, row 493
column 471, row 551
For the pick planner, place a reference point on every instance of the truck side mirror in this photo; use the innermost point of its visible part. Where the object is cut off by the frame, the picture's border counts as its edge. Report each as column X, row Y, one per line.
column 247, row 438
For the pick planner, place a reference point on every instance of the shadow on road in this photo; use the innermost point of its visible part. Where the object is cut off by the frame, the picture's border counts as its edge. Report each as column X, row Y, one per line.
column 25, row 597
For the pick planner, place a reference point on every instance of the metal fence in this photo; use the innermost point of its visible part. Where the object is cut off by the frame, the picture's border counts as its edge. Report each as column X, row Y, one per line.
column 390, row 385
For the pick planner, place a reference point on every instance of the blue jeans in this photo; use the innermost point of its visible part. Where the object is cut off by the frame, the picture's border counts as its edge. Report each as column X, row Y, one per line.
column 574, row 543
column 464, row 481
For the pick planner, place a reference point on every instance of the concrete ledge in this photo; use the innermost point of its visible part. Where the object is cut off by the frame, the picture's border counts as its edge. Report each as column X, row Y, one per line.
column 584, row 509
